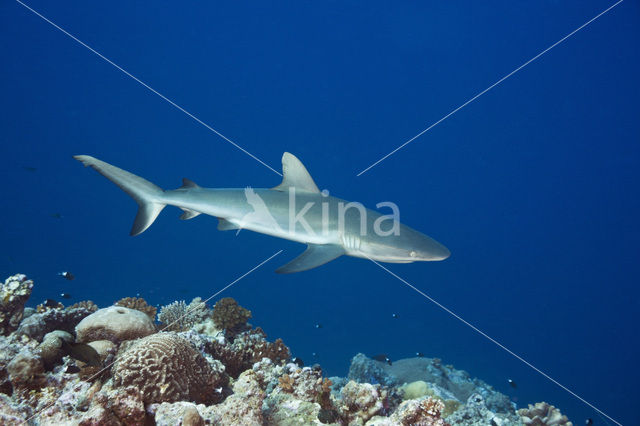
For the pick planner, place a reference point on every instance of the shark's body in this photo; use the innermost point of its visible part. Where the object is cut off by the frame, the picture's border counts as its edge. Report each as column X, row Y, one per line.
column 295, row 210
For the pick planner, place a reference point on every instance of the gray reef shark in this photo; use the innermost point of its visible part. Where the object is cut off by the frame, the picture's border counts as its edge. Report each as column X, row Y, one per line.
column 294, row 210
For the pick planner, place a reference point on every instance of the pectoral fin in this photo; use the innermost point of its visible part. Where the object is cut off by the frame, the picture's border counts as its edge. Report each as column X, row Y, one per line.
column 225, row 225
column 315, row 255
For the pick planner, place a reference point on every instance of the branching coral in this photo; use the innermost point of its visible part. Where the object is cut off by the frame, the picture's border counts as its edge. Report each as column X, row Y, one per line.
column 86, row 304
column 138, row 303
column 286, row 383
column 248, row 348
column 166, row 368
column 178, row 316
column 228, row 315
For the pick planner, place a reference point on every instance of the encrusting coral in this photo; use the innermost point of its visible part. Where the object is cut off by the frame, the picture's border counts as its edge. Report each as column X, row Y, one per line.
column 14, row 293
column 543, row 414
column 230, row 316
column 166, row 368
column 139, row 304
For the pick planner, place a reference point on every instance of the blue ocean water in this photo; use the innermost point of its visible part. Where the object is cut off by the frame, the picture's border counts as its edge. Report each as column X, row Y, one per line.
column 534, row 186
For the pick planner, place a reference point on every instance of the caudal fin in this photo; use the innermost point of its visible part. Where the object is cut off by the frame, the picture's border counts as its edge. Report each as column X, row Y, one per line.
column 148, row 196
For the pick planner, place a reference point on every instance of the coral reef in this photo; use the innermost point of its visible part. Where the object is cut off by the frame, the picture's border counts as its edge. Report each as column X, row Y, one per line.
column 543, row 414
column 139, row 304
column 443, row 381
column 167, row 368
column 14, row 293
column 216, row 369
column 115, row 323
column 36, row 325
column 424, row 412
column 178, row 316
column 230, row 316
column 362, row 401
column 247, row 348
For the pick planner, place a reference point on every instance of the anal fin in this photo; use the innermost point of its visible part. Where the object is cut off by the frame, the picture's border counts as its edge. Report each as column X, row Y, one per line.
column 314, row 256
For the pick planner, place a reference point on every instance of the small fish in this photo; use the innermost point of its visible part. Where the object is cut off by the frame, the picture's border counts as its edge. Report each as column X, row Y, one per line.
column 314, row 354
column 29, row 168
column 56, row 215
column 50, row 303
column 419, row 354
column 297, row 361
column 512, row 383
column 68, row 275
column 382, row 358
column 65, row 295
column 589, row 421
column 394, row 315
column 82, row 352
column 318, row 325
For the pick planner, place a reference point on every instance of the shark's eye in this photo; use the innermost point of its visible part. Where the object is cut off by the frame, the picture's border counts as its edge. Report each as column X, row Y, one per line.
column 413, row 253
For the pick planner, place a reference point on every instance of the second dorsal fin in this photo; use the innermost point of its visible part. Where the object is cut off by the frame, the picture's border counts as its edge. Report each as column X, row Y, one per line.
column 295, row 175
column 188, row 183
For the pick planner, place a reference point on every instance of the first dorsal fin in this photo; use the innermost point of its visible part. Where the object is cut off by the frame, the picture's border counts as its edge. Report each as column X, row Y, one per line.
column 295, row 175
column 188, row 183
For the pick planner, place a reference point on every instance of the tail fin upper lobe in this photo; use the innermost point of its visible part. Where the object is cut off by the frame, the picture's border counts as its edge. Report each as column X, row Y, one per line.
column 148, row 196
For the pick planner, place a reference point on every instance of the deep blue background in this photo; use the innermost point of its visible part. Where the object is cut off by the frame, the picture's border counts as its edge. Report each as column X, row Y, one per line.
column 534, row 187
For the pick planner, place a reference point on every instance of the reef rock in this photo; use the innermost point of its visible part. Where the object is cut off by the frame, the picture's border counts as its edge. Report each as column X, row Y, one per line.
column 543, row 414
column 24, row 368
column 476, row 413
column 115, row 323
column 51, row 347
column 243, row 407
column 13, row 294
column 177, row 413
column 424, row 412
column 362, row 401
column 35, row 326
column 167, row 368
column 441, row 381
column 104, row 348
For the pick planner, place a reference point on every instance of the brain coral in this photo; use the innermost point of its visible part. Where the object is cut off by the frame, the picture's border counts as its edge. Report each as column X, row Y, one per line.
column 227, row 314
column 166, row 368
